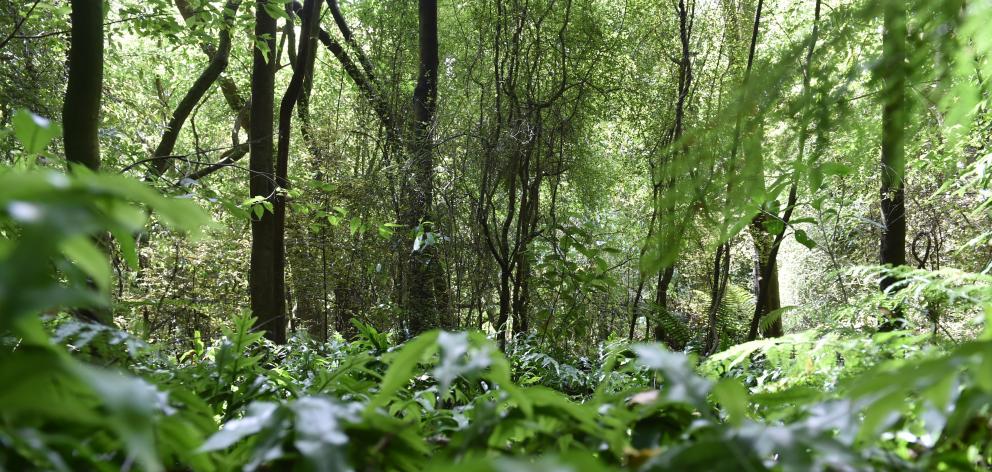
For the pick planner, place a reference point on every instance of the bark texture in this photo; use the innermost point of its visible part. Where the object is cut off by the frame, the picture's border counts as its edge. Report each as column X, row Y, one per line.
column 419, row 267
column 266, row 302
column 308, row 15
column 81, row 109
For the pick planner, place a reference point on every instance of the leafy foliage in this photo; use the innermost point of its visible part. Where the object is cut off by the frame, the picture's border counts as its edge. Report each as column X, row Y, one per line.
column 583, row 174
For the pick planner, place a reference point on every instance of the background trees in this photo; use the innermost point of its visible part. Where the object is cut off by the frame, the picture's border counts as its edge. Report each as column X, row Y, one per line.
column 464, row 216
column 553, row 168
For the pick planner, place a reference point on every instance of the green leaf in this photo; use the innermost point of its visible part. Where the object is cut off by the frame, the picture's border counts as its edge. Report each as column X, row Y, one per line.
column 651, row 261
column 259, row 416
column 772, row 316
column 276, row 10
column 804, row 239
column 733, row 397
column 320, row 436
column 263, row 47
column 401, row 369
column 128, row 248
column 773, row 225
column 84, row 253
column 682, row 384
column 835, row 168
column 815, row 179
column 131, row 403
column 33, row 131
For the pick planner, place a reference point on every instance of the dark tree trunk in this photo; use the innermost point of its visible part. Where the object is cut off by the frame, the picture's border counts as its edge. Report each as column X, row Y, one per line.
column 81, row 109
column 721, row 272
column 421, row 267
column 521, row 294
column 686, row 20
column 308, row 16
column 661, row 300
column 766, row 292
column 528, row 220
column 635, row 308
column 893, row 169
column 266, row 300
column 228, row 87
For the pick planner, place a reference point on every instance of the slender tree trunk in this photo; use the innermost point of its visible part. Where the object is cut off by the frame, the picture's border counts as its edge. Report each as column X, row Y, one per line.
column 228, row 87
column 661, row 300
column 893, row 169
column 265, row 298
column 81, row 109
column 766, row 292
column 420, row 306
column 635, row 308
column 686, row 20
column 721, row 272
column 308, row 16
column 502, row 323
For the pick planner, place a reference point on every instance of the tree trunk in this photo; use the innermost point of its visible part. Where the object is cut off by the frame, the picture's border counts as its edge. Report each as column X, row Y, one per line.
column 232, row 95
column 721, row 272
column 81, row 109
column 894, row 116
column 661, row 301
column 308, row 16
column 418, row 301
column 502, row 325
column 266, row 300
column 719, row 286
column 686, row 19
column 766, row 291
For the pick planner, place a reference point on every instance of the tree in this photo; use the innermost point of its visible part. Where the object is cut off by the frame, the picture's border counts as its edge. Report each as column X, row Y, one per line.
column 420, row 266
column 81, row 109
column 766, row 245
column 893, row 169
column 687, row 16
column 529, row 109
column 267, row 304
column 238, row 105
column 421, row 293
column 309, row 15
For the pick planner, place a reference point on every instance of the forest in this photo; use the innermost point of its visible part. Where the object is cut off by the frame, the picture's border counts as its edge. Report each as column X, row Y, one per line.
column 495, row 235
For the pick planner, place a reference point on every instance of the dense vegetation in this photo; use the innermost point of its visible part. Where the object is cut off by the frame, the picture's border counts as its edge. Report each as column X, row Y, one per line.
column 495, row 235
